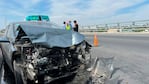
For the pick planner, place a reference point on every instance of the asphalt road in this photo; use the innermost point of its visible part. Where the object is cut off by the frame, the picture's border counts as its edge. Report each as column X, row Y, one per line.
column 131, row 54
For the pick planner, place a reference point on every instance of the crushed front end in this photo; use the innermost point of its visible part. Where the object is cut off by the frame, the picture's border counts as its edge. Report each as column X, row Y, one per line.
column 49, row 54
column 44, row 65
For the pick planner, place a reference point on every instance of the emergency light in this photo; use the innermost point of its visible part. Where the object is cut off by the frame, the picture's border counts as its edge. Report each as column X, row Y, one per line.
column 37, row 18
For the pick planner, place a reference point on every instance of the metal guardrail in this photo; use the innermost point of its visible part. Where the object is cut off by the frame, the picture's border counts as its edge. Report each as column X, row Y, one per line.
column 130, row 26
column 126, row 29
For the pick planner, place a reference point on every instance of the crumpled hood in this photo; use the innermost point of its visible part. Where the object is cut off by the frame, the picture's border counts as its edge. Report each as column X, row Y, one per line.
column 51, row 37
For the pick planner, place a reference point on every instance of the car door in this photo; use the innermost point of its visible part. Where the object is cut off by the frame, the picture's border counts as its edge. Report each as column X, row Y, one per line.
column 7, row 47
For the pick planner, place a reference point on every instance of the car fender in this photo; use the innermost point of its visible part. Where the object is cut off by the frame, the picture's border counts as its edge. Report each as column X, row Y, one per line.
column 8, row 51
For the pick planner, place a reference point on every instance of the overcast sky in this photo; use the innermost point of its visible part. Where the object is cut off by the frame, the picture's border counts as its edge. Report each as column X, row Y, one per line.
column 86, row 12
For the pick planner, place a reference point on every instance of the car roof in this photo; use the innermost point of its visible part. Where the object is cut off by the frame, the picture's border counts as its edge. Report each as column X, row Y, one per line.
column 32, row 23
column 38, row 23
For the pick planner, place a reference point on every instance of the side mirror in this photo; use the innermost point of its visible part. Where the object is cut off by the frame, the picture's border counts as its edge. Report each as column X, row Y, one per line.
column 4, row 40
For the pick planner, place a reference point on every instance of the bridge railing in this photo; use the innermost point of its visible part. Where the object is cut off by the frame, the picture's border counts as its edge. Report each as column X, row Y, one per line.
column 134, row 26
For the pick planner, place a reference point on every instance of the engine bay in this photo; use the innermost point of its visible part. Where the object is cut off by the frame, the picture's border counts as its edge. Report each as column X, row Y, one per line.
column 48, row 64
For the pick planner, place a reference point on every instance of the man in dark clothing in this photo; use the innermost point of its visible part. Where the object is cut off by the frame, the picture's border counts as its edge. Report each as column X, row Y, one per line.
column 76, row 26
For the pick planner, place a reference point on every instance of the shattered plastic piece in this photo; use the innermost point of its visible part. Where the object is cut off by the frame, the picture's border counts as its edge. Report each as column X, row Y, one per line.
column 112, row 81
column 101, row 71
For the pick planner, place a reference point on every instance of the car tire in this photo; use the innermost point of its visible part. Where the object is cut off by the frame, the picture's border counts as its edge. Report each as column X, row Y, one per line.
column 8, row 75
column 18, row 73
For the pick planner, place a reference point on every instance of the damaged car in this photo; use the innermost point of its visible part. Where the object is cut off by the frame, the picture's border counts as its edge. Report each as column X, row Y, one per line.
column 42, row 52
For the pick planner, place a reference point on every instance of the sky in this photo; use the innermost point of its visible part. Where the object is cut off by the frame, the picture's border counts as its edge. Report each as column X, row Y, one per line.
column 86, row 12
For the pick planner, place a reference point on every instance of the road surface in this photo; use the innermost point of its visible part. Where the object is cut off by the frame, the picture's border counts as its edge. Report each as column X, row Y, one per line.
column 130, row 52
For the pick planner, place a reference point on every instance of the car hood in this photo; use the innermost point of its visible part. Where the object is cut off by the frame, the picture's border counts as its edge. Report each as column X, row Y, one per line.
column 51, row 37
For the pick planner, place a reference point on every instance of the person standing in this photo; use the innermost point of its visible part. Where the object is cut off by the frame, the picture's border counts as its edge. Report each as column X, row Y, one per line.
column 76, row 26
column 70, row 24
column 68, row 27
column 64, row 25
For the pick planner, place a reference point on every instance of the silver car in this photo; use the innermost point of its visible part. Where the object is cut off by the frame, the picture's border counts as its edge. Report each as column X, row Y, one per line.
column 41, row 52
